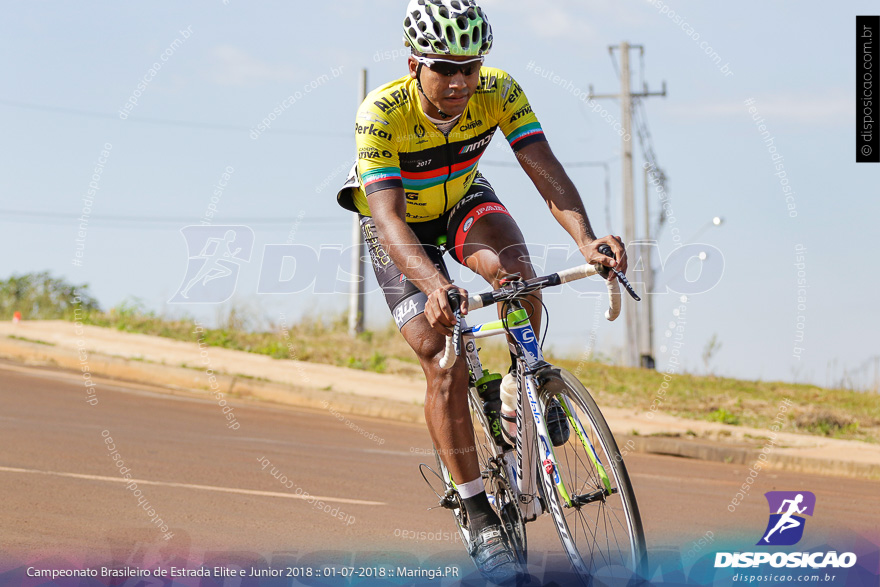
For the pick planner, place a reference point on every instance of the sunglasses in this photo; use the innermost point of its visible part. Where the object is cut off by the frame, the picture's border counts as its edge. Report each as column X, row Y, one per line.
column 450, row 68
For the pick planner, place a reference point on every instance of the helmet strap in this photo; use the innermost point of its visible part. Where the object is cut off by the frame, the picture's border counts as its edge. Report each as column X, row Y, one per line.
column 443, row 115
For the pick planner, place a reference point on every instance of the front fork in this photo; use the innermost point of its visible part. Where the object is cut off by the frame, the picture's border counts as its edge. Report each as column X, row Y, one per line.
column 531, row 362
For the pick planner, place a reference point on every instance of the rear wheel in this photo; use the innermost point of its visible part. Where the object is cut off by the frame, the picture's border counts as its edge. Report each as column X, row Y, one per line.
column 495, row 478
column 595, row 508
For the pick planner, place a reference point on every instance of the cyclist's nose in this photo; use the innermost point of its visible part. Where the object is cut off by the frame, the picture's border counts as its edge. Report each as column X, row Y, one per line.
column 458, row 80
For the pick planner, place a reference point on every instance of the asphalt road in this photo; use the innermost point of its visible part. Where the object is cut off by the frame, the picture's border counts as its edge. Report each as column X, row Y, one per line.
column 61, row 494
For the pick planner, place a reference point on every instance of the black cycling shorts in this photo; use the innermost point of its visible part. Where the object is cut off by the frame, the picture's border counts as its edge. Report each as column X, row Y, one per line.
column 447, row 232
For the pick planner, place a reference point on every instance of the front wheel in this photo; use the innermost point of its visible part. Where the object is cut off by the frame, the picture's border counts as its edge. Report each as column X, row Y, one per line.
column 593, row 504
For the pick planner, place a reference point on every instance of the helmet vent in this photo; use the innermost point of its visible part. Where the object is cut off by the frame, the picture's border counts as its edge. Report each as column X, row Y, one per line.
column 456, row 4
column 443, row 12
column 475, row 37
column 437, row 29
column 407, row 23
column 465, row 41
column 471, row 14
column 450, row 34
column 417, row 15
column 412, row 33
column 462, row 22
column 422, row 26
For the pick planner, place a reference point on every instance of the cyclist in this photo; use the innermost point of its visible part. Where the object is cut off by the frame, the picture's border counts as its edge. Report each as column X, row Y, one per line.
column 416, row 186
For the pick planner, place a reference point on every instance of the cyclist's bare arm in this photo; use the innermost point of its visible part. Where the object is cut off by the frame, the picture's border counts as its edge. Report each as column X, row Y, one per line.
column 557, row 189
column 389, row 213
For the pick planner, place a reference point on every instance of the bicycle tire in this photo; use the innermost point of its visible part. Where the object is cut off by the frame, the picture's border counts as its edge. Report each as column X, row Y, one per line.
column 602, row 521
column 508, row 511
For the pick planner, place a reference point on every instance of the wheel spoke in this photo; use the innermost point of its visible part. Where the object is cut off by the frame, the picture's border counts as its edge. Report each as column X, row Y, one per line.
column 606, row 532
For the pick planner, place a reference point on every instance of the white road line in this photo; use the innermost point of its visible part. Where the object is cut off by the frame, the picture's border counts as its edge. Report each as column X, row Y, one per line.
column 192, row 486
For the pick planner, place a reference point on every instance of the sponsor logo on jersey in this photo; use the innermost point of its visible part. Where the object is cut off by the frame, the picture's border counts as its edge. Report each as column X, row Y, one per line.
column 471, row 125
column 505, row 89
column 514, row 95
column 387, row 106
column 373, row 153
column 412, row 195
column 420, row 133
column 372, row 131
column 527, row 109
column 467, row 224
column 487, row 84
column 476, row 146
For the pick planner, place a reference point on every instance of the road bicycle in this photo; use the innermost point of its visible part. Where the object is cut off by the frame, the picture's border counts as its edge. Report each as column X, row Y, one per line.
column 586, row 491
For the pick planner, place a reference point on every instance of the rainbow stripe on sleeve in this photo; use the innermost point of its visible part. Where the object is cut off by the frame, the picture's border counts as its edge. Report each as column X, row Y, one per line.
column 523, row 132
column 382, row 174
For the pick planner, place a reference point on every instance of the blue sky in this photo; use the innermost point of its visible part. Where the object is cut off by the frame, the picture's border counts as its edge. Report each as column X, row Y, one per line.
column 69, row 70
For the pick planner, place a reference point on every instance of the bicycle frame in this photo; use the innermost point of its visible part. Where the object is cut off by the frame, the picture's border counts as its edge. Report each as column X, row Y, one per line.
column 530, row 362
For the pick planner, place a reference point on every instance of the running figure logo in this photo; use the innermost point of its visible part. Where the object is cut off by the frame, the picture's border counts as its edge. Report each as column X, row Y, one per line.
column 786, row 526
column 212, row 273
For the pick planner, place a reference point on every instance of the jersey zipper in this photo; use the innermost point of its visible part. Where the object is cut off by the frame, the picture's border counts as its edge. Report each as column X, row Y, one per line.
column 448, row 175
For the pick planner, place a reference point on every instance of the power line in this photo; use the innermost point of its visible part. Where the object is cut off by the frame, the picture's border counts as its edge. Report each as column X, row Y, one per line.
column 572, row 164
column 181, row 220
column 166, row 122
column 603, row 164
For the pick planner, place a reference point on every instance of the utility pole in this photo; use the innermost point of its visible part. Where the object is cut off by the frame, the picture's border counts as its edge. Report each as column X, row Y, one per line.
column 631, row 313
column 646, row 335
column 358, row 252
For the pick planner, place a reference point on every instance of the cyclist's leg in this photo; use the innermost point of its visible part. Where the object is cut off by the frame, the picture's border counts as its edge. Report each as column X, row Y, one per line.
column 446, row 404
column 483, row 236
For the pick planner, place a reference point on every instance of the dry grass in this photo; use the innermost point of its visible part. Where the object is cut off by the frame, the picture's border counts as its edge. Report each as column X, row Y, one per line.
column 835, row 413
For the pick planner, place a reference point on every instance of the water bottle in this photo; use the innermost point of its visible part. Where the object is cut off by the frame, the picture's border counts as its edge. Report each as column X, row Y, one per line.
column 508, row 406
column 488, row 386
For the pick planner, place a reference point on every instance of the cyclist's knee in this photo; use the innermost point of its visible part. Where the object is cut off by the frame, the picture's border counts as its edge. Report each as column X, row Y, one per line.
column 444, row 383
column 515, row 259
column 510, row 260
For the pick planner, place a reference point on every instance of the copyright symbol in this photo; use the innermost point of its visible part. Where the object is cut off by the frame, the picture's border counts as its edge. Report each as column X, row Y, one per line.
column 866, row 150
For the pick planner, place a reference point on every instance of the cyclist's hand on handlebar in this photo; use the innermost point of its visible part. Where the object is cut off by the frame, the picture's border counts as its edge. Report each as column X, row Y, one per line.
column 438, row 311
column 592, row 255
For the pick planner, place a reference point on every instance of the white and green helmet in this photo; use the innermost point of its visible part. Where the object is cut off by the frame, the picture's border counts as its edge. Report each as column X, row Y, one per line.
column 447, row 27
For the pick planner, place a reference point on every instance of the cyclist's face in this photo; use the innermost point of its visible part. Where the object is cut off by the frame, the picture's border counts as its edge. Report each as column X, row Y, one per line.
column 450, row 93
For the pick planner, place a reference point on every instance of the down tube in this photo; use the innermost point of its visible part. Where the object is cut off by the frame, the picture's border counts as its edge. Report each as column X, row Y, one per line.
column 548, row 460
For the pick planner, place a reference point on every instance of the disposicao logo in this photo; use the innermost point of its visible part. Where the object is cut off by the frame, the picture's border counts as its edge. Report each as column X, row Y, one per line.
column 785, row 528
column 221, row 251
column 786, row 525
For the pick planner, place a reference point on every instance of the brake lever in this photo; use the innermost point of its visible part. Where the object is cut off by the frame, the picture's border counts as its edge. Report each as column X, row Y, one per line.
column 606, row 250
column 455, row 303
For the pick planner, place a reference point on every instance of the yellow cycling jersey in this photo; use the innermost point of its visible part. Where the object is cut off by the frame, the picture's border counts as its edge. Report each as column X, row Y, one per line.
column 399, row 147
